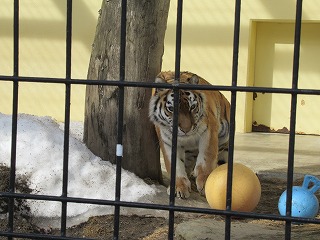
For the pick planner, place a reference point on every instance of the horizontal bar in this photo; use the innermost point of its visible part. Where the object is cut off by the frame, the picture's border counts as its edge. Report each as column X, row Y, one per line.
column 158, row 207
column 38, row 236
column 162, row 85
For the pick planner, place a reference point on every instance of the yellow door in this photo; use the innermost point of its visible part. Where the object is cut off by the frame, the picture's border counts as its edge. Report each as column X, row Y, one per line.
column 273, row 68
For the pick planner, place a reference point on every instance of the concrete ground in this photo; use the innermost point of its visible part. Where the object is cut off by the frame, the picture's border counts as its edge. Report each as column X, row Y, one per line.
column 268, row 153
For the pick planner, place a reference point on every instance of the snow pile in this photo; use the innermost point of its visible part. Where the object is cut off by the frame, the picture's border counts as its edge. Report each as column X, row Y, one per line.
column 40, row 156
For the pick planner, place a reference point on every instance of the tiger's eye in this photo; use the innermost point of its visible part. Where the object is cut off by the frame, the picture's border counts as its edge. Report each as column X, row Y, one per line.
column 193, row 106
column 170, row 109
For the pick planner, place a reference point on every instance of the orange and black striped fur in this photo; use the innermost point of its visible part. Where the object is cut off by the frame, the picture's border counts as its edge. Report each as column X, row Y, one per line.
column 203, row 129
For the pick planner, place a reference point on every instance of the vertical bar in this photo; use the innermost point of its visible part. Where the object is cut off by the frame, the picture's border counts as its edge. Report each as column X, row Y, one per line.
column 16, row 39
column 295, row 76
column 178, row 40
column 175, row 119
column 236, row 37
column 14, row 115
column 66, row 118
column 119, row 150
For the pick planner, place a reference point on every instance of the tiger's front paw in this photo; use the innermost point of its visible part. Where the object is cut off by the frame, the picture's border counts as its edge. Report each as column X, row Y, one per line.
column 183, row 188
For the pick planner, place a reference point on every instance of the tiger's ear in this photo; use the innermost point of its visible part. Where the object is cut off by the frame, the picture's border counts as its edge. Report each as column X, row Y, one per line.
column 194, row 79
column 159, row 80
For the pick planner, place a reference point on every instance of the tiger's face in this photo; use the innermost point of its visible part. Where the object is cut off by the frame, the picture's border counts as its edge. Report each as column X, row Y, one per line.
column 190, row 110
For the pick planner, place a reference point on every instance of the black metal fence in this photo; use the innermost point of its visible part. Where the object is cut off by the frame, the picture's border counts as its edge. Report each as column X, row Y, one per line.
column 294, row 91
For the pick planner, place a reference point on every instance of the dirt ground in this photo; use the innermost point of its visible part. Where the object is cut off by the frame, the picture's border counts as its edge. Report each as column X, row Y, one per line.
column 156, row 228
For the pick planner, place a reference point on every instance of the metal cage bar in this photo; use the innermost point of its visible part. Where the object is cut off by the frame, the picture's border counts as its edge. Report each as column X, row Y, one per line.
column 175, row 119
column 293, row 115
column 14, row 116
column 123, row 34
column 236, row 38
column 67, row 119
column 162, row 85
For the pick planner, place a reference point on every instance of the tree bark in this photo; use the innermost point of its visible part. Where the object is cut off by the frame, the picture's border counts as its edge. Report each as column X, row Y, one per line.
column 146, row 25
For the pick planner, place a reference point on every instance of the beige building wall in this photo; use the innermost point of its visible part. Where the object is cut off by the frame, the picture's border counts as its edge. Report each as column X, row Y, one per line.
column 206, row 50
column 273, row 68
column 42, row 54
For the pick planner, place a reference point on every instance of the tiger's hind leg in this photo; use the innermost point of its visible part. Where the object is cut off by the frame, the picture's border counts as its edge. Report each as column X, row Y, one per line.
column 207, row 159
column 190, row 161
column 223, row 139
column 223, row 154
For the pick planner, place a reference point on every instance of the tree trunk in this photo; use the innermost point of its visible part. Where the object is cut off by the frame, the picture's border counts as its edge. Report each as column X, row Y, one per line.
column 146, row 24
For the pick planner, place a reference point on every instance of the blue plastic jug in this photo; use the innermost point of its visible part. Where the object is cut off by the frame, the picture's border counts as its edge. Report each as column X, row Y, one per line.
column 304, row 202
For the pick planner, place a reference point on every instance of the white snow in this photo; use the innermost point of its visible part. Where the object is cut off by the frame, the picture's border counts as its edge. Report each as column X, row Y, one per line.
column 40, row 156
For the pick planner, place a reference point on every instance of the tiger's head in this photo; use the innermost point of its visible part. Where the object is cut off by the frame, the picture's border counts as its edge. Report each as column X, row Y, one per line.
column 191, row 104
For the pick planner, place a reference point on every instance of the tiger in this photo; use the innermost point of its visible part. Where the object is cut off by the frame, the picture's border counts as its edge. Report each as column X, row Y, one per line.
column 203, row 130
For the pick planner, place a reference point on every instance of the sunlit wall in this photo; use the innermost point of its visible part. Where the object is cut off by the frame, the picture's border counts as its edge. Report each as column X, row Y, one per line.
column 207, row 39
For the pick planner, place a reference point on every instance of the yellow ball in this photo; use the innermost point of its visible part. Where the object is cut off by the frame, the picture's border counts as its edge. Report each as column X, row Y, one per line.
column 246, row 188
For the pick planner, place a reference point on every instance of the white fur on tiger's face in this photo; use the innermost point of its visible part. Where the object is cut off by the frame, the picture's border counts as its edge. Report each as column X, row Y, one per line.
column 190, row 111
column 203, row 129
